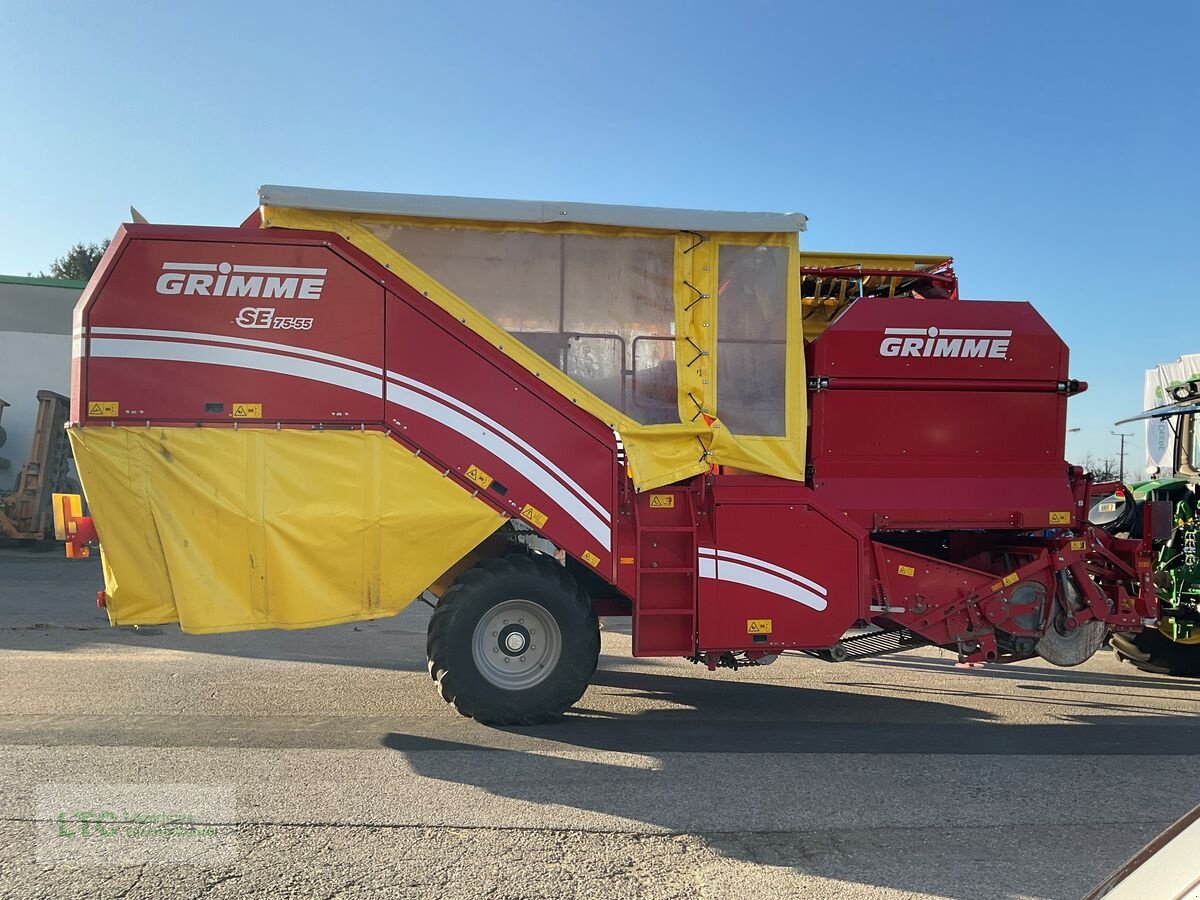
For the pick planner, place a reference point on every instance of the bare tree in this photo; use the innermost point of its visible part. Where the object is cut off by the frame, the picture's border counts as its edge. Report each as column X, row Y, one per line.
column 1106, row 469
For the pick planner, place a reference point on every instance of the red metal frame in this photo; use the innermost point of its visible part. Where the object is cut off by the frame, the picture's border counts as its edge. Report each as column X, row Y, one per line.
column 937, row 481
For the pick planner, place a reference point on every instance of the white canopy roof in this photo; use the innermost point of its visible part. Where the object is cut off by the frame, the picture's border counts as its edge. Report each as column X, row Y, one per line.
column 485, row 210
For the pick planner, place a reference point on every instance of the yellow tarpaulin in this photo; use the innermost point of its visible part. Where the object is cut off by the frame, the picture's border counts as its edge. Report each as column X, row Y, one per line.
column 230, row 530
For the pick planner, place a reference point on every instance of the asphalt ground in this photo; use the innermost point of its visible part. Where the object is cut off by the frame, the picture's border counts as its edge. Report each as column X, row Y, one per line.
column 903, row 776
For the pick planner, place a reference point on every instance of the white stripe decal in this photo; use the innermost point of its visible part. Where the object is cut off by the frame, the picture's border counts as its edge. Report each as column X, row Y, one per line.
column 239, row 341
column 771, row 567
column 763, row 581
column 543, row 476
column 191, row 267
column 239, row 359
column 496, row 426
column 762, row 564
column 376, row 370
column 957, row 332
column 279, row 270
column 502, row 449
column 263, row 270
column 725, row 565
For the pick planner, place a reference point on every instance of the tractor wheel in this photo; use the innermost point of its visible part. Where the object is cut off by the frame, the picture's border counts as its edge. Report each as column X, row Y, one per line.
column 514, row 641
column 1152, row 651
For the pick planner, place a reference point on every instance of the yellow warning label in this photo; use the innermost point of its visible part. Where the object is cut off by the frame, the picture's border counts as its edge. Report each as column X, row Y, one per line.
column 247, row 410
column 662, row 501
column 1078, row 545
column 104, row 409
column 1060, row 518
column 1010, row 578
column 758, row 626
column 533, row 515
column 591, row 558
column 907, row 571
column 480, row 477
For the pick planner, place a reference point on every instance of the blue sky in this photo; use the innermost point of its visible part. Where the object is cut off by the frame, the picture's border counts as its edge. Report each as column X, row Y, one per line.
column 1051, row 147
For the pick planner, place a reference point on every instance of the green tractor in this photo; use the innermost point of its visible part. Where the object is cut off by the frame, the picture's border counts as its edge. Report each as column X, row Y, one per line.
column 1173, row 648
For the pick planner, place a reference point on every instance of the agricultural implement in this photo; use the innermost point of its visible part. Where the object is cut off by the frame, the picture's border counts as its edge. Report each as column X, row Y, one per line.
column 27, row 511
column 546, row 412
column 1173, row 646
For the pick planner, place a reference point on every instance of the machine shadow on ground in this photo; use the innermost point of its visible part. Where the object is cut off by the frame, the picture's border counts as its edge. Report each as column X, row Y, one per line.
column 824, row 738
column 700, row 714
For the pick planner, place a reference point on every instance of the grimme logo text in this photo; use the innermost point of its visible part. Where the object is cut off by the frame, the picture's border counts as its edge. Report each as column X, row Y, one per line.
column 946, row 342
column 229, row 280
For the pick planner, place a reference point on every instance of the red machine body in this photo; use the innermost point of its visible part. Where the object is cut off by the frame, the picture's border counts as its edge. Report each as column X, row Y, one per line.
column 938, row 499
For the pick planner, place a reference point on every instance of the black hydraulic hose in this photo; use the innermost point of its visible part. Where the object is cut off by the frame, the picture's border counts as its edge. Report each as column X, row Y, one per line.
column 1128, row 519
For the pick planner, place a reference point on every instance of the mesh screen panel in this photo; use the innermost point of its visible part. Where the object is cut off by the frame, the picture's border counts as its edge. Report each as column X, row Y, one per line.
column 598, row 307
column 752, row 338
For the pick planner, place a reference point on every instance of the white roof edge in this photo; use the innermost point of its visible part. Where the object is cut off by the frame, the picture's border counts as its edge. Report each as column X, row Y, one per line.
column 541, row 211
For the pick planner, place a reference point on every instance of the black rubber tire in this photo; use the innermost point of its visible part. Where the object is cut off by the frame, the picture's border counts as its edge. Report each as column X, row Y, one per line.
column 533, row 577
column 1166, row 656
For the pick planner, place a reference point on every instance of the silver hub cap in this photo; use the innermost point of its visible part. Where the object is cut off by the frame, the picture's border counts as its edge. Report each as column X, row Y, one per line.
column 516, row 645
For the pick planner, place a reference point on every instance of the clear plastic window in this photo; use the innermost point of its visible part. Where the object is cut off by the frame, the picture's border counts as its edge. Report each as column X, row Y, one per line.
column 752, row 339
column 599, row 308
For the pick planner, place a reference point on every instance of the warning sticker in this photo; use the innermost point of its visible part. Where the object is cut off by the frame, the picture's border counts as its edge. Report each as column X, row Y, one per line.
column 1010, row 578
column 480, row 477
column 247, row 410
column 1078, row 545
column 533, row 515
column 906, row 571
column 98, row 408
column 591, row 558
column 1060, row 518
column 758, row 626
column 662, row 501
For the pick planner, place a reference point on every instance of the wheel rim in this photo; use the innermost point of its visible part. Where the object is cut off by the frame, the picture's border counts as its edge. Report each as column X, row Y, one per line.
column 1169, row 633
column 516, row 644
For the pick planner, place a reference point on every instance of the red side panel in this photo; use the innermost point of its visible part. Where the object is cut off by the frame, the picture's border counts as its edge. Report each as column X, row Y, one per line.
column 781, row 573
column 200, row 331
column 940, row 414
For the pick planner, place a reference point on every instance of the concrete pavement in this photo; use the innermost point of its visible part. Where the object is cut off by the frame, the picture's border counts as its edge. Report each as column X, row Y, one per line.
column 903, row 776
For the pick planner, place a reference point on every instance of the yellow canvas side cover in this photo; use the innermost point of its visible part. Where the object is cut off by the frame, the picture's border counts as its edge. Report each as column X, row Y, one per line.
column 229, row 530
